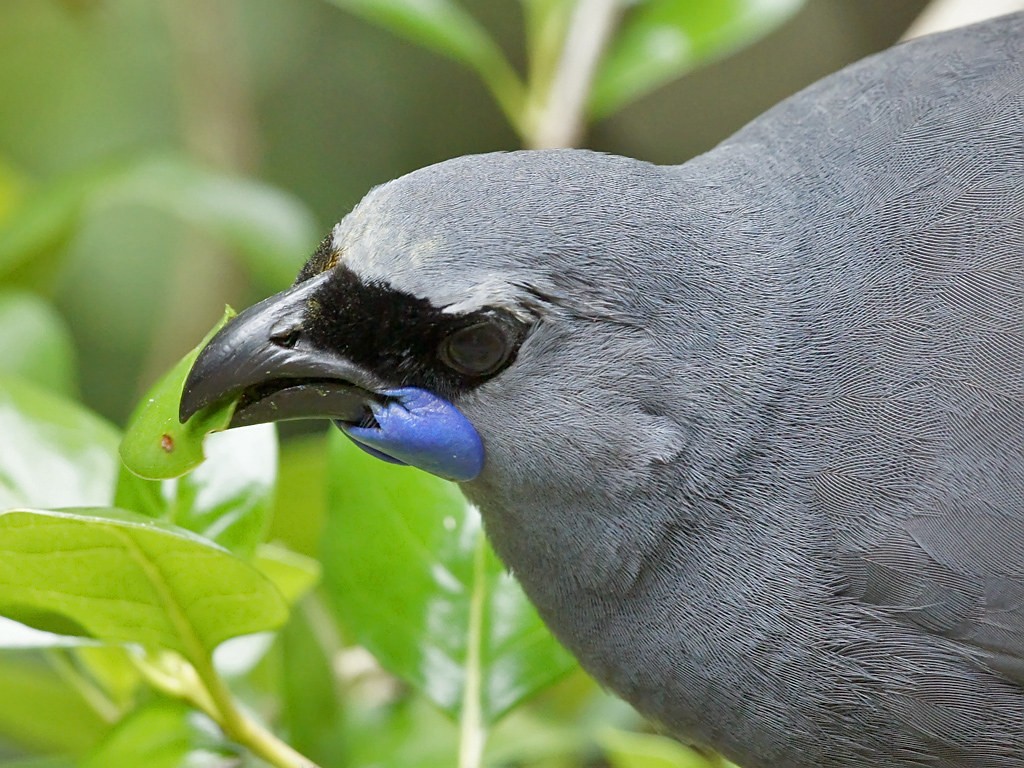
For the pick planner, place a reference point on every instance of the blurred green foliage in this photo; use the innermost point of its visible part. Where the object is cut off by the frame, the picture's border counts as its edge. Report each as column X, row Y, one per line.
column 158, row 160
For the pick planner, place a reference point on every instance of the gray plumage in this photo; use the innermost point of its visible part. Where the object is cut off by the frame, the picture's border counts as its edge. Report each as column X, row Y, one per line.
column 760, row 461
column 761, row 466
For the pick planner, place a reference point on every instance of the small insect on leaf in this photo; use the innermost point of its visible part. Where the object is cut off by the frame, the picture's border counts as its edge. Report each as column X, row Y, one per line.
column 155, row 445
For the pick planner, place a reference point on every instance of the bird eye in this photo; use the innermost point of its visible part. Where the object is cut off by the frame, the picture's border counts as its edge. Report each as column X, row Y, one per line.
column 476, row 350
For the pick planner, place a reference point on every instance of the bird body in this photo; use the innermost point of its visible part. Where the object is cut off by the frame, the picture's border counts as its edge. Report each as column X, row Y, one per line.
column 754, row 424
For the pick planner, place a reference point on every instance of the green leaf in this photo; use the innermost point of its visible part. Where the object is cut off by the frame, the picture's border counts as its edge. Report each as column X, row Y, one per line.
column 415, row 734
column 35, row 698
column 139, row 494
column 270, row 229
column 123, row 578
column 53, row 452
column 47, row 217
column 410, row 574
column 312, row 699
column 227, row 494
column 111, row 668
column 228, row 497
column 155, row 444
column 165, row 734
column 293, row 574
column 446, row 28
column 35, row 343
column 300, row 506
column 644, row 750
column 659, row 40
column 11, row 188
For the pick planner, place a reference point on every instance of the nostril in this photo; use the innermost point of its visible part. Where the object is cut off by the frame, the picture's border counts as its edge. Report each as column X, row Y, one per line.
column 286, row 339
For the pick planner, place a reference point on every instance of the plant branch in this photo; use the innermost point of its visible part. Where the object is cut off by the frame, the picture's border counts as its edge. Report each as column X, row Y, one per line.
column 560, row 118
column 200, row 685
column 238, row 726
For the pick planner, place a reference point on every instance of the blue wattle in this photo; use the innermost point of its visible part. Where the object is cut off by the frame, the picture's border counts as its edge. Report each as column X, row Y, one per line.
column 418, row 428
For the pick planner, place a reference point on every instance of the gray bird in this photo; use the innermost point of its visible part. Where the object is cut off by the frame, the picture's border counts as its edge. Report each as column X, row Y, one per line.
column 749, row 430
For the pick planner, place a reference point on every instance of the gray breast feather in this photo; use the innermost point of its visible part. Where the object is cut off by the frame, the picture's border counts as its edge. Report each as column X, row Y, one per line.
column 910, row 359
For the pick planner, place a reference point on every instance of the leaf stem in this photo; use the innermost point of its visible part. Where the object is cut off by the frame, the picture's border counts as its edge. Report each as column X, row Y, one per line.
column 238, row 726
column 472, row 731
column 558, row 118
column 200, row 685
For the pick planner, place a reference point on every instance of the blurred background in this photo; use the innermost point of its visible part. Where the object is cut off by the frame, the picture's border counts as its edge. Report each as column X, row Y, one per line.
column 161, row 159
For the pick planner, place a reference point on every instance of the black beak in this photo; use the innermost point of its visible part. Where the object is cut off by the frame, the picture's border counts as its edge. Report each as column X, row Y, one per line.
column 265, row 360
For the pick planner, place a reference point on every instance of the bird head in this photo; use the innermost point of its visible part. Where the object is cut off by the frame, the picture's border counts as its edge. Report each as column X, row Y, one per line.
column 502, row 318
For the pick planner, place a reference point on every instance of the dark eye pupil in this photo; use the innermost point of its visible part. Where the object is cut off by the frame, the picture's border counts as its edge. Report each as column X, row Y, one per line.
column 477, row 350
